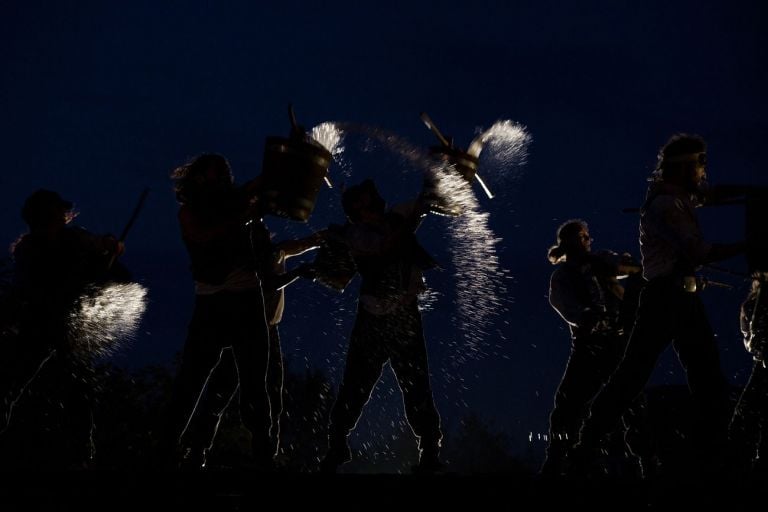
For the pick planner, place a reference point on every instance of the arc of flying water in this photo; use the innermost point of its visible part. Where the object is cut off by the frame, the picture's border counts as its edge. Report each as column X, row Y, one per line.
column 509, row 139
column 478, row 289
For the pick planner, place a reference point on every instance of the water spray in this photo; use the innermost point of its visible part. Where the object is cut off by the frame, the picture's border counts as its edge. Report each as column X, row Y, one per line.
column 479, row 291
column 105, row 315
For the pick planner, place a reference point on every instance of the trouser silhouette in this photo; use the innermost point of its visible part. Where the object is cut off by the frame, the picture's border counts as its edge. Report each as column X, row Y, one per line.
column 223, row 386
column 749, row 426
column 397, row 338
column 667, row 314
column 592, row 360
column 226, row 320
column 39, row 364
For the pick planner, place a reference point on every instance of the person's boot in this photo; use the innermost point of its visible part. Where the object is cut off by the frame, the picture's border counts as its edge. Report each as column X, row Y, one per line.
column 649, row 467
column 263, row 452
column 553, row 466
column 760, row 465
column 338, row 453
column 555, row 459
column 193, row 459
column 429, row 460
column 166, row 456
column 586, row 461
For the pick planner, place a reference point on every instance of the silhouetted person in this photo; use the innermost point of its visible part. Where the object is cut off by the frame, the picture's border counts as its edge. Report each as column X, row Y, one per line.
column 388, row 325
column 749, row 426
column 222, row 384
column 54, row 263
column 670, row 309
column 585, row 292
column 225, row 241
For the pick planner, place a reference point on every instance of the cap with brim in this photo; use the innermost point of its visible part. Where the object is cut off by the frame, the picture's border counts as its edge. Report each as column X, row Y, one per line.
column 42, row 200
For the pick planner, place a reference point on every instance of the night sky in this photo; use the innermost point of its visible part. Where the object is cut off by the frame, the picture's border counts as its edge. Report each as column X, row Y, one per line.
column 100, row 99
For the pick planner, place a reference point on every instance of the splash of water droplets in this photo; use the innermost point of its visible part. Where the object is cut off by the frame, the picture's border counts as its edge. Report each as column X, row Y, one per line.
column 479, row 279
column 505, row 143
column 330, row 136
column 105, row 318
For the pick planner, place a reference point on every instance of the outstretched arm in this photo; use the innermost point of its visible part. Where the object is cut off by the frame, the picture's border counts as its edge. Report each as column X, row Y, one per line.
column 291, row 248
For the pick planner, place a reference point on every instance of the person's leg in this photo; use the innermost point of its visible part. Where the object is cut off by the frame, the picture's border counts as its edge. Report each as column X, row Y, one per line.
column 408, row 356
column 275, row 377
column 250, row 344
column 201, row 353
column 75, row 388
column 22, row 364
column 25, row 354
column 652, row 332
column 365, row 361
column 591, row 362
column 761, row 464
column 697, row 350
column 221, row 388
column 745, row 430
column 640, row 444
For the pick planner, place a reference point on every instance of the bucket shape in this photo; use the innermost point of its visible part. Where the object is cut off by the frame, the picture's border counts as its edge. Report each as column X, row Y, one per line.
column 293, row 172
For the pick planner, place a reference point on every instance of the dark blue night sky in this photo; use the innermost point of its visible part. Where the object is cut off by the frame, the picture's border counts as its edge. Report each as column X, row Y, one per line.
column 99, row 99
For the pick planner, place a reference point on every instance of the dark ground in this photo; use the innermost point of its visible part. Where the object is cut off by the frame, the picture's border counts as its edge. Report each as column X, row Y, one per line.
column 242, row 490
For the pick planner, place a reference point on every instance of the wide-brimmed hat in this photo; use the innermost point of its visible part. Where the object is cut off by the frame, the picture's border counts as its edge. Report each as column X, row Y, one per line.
column 40, row 202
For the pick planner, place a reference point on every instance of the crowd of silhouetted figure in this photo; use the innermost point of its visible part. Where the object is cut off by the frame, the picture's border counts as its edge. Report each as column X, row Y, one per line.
column 622, row 312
